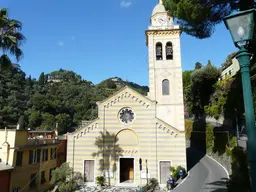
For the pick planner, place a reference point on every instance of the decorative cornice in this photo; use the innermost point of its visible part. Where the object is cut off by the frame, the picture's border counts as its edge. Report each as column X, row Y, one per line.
column 126, row 94
column 167, row 128
column 162, row 32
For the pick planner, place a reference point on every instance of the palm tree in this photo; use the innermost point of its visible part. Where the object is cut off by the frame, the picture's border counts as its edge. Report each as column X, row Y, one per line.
column 10, row 39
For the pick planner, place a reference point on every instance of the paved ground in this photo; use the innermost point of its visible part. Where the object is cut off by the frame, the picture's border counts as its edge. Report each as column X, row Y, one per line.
column 205, row 175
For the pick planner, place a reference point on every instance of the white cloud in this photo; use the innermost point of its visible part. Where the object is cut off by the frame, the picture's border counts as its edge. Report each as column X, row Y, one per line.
column 60, row 43
column 125, row 3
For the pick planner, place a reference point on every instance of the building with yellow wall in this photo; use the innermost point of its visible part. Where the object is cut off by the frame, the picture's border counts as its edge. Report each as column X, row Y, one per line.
column 33, row 158
column 132, row 128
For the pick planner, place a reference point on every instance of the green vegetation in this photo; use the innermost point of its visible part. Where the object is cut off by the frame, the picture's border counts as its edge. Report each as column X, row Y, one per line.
column 240, row 179
column 10, row 39
column 199, row 18
column 65, row 178
column 153, row 185
column 101, row 181
column 47, row 103
column 188, row 128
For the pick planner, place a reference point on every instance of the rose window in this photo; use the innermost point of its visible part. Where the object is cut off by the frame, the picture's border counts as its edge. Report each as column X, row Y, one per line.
column 126, row 116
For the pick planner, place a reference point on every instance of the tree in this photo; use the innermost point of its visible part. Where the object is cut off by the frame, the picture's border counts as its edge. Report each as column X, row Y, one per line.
column 48, row 122
column 201, row 89
column 198, row 65
column 10, row 39
column 65, row 178
column 199, row 18
column 64, row 122
column 41, row 79
column 34, row 119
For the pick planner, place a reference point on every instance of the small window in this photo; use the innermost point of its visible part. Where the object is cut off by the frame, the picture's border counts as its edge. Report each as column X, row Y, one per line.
column 230, row 72
column 34, row 156
column 32, row 181
column 165, row 87
column 45, row 155
column 53, row 153
column 169, row 51
column 43, row 180
column 50, row 175
column 159, row 51
column 19, row 158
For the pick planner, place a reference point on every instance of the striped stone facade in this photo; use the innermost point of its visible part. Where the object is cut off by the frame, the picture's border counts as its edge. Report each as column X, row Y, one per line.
column 106, row 139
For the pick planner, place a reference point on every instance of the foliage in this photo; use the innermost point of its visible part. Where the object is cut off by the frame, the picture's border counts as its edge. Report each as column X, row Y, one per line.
column 41, row 80
column 101, row 180
column 45, row 104
column 65, row 178
column 218, row 99
column 10, row 39
column 209, row 137
column 152, row 186
column 188, row 128
column 199, row 93
column 198, row 65
column 240, row 179
column 198, row 18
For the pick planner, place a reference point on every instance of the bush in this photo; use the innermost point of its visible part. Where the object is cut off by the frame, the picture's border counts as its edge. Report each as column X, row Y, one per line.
column 152, row 186
column 101, row 180
column 188, row 128
column 209, row 138
column 240, row 179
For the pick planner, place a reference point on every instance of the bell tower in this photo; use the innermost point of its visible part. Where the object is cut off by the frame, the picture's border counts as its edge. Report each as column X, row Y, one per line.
column 165, row 70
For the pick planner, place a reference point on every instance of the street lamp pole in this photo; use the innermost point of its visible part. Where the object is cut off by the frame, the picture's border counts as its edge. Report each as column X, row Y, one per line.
column 241, row 27
column 243, row 57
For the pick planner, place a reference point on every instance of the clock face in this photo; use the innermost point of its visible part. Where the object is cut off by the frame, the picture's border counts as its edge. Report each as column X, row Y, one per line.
column 161, row 20
column 126, row 116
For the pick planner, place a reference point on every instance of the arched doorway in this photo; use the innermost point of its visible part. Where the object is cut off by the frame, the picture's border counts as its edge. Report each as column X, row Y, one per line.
column 127, row 139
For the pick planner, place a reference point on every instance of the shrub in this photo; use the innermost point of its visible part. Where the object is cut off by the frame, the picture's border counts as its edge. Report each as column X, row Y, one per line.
column 153, row 185
column 240, row 179
column 188, row 128
column 209, row 138
column 101, row 180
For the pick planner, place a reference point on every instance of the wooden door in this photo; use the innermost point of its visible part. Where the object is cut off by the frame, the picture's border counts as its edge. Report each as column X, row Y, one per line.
column 89, row 170
column 164, row 171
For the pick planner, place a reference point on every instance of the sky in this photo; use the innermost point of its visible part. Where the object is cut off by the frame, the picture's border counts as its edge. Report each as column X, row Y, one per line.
column 99, row 39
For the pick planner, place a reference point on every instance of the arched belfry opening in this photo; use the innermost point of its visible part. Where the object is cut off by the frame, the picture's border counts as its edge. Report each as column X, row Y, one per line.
column 169, row 51
column 159, row 51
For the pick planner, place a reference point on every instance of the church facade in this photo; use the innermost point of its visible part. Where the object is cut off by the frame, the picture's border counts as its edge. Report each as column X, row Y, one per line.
column 138, row 137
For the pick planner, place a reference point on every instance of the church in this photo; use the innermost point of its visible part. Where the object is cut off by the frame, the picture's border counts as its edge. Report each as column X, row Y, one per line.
column 137, row 137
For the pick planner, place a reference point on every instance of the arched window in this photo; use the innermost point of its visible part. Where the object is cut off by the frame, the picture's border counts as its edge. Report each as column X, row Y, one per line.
column 165, row 87
column 169, row 51
column 159, row 51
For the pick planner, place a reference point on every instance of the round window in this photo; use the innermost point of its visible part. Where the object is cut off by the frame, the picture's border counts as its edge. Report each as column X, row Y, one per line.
column 126, row 116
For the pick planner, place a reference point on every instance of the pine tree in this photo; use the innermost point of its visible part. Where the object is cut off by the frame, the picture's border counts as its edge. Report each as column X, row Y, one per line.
column 41, row 79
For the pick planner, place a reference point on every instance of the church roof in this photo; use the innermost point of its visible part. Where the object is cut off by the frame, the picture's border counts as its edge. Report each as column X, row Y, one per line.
column 159, row 8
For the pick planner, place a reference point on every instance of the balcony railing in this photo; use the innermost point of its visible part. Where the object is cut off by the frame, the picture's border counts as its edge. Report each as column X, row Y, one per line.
column 42, row 141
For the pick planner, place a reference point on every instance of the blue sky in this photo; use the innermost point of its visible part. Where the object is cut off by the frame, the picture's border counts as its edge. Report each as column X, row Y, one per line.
column 100, row 39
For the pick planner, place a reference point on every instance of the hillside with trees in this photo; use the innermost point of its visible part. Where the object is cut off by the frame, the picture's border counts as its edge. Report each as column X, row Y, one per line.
column 60, row 98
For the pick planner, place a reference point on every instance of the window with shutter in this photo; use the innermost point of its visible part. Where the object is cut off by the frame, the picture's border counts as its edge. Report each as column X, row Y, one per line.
column 19, row 158
column 38, row 152
column 165, row 87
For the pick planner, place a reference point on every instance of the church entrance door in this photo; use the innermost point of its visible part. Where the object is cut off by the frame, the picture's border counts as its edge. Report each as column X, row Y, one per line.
column 89, row 170
column 126, row 173
column 164, row 171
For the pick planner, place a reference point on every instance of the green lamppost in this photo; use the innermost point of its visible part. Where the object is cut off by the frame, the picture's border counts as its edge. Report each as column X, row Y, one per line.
column 241, row 27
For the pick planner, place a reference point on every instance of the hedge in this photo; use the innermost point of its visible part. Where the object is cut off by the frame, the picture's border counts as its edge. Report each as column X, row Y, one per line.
column 188, row 128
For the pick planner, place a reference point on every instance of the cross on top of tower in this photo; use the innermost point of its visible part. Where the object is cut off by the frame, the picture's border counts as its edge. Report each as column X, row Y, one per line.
column 160, row 1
